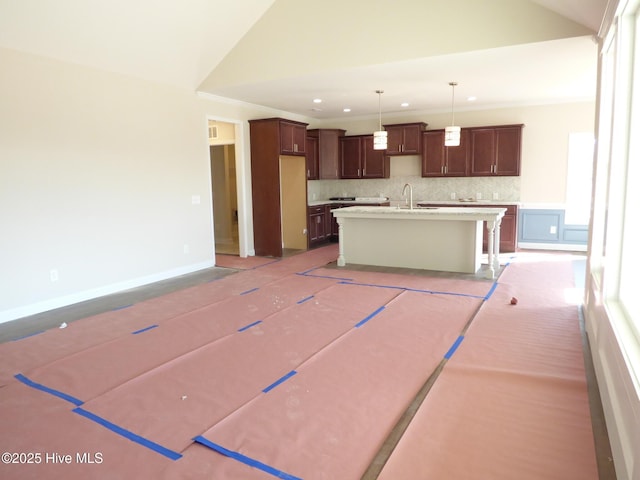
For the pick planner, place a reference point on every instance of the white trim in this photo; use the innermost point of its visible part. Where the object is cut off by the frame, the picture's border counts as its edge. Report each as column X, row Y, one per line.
column 24, row 311
column 565, row 247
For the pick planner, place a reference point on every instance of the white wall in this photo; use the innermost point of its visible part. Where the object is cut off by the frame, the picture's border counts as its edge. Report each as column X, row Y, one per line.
column 97, row 175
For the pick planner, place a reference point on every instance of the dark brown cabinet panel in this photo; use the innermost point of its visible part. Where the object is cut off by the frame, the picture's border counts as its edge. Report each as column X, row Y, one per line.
column 441, row 161
column 266, row 147
column 495, row 150
column 293, row 137
column 327, row 152
column 312, row 158
column 508, row 225
column 358, row 159
column 317, row 224
column 350, row 157
column 404, row 138
column 375, row 164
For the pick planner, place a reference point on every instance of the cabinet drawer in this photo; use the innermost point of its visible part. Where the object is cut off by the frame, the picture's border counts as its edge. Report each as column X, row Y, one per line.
column 315, row 210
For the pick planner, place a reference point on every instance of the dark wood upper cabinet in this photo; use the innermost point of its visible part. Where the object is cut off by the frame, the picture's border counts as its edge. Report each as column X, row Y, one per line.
column 350, row 157
column 293, row 137
column 495, row 151
column 404, row 138
column 375, row 163
column 327, row 152
column 358, row 159
column 441, row 161
column 311, row 155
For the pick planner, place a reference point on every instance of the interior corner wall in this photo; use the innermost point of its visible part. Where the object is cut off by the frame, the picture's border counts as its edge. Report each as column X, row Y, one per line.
column 99, row 173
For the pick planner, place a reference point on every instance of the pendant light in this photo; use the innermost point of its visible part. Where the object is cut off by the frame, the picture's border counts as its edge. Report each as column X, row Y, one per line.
column 452, row 132
column 380, row 136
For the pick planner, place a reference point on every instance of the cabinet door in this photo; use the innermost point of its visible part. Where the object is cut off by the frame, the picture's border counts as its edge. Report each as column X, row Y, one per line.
column 457, row 158
column 311, row 155
column 350, row 155
column 395, row 139
column 375, row 164
column 508, row 146
column 293, row 138
column 433, row 151
column 411, row 142
column 329, row 153
column 483, row 151
column 316, row 223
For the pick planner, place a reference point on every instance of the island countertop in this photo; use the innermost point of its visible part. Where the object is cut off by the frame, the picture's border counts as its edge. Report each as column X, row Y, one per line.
column 422, row 213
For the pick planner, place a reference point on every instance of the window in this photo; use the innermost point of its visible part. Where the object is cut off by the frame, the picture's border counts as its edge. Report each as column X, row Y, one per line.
column 579, row 177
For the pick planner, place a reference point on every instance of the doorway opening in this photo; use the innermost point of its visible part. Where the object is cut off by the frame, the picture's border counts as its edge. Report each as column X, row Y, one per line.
column 222, row 153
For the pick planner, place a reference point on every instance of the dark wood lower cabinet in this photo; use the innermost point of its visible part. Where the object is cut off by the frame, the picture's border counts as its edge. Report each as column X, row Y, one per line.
column 322, row 226
column 317, row 225
column 508, row 226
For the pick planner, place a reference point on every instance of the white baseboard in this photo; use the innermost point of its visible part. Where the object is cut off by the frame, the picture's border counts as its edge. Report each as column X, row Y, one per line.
column 565, row 247
column 34, row 308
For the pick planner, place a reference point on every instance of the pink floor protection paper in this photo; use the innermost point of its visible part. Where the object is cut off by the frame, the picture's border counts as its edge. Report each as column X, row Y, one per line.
column 512, row 401
column 289, row 369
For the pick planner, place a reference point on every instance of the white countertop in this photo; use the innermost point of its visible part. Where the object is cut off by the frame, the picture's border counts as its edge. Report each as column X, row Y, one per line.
column 359, row 200
column 467, row 202
column 422, row 213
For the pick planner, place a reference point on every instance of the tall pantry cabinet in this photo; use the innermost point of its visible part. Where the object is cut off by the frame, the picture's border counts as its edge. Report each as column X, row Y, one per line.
column 277, row 159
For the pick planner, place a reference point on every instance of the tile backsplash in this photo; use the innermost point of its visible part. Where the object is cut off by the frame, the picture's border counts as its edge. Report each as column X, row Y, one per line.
column 407, row 170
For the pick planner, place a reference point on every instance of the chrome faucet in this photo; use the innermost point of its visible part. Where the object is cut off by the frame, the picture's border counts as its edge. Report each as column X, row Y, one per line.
column 410, row 194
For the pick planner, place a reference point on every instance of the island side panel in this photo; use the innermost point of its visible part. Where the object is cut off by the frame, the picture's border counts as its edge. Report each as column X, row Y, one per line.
column 445, row 245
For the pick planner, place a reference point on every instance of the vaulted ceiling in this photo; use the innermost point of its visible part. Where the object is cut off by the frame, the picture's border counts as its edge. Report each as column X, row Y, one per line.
column 285, row 53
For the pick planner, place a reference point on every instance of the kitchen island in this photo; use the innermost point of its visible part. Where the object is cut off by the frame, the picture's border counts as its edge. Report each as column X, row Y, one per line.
column 429, row 238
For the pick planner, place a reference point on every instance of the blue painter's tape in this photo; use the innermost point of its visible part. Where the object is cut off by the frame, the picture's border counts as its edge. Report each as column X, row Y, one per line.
column 407, row 289
column 454, row 347
column 129, row 435
column 27, row 336
column 279, row 381
column 305, row 299
column 249, row 291
column 493, row 289
column 305, row 274
column 247, row 327
column 51, row 391
column 369, row 317
column 122, row 307
column 244, row 459
column 145, row 329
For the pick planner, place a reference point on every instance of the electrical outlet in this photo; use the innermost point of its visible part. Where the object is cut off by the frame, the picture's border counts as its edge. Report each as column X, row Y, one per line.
column 453, row 195
column 195, row 199
column 553, row 230
column 53, row 275
column 304, row 231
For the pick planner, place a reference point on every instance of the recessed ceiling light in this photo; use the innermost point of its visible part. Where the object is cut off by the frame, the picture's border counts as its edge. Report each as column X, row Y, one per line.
column 346, row 110
column 472, row 99
column 317, row 100
column 404, row 104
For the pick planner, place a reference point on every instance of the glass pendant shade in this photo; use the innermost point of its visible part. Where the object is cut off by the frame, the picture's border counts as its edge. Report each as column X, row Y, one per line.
column 452, row 136
column 380, row 140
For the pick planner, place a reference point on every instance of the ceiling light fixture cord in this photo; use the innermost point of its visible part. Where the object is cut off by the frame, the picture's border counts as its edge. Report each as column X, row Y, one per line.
column 379, row 92
column 453, row 93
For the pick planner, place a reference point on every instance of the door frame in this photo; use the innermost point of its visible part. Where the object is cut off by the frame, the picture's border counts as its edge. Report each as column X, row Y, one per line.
column 243, row 185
